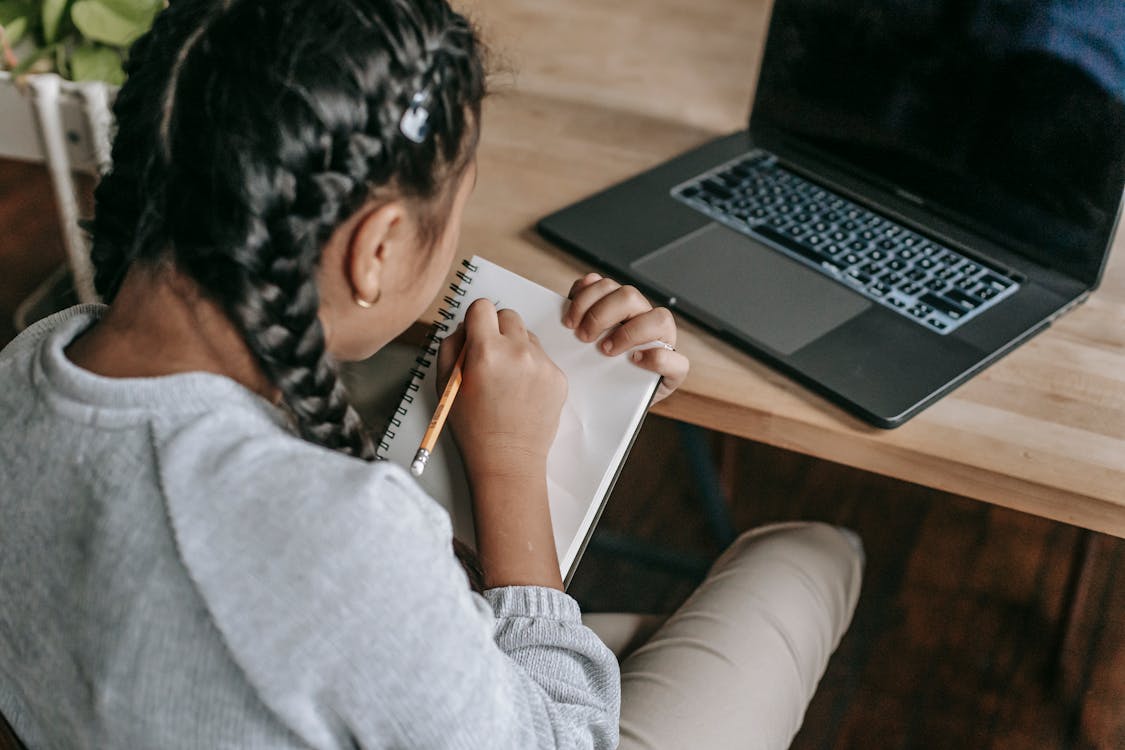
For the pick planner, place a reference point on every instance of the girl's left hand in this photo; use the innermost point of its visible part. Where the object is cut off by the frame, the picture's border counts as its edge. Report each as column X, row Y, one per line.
column 598, row 305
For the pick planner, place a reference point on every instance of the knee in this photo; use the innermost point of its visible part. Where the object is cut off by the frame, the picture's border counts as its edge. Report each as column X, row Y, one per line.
column 815, row 537
column 828, row 559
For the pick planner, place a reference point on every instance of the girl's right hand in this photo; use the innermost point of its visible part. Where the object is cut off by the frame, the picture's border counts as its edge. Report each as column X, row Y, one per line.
column 507, row 412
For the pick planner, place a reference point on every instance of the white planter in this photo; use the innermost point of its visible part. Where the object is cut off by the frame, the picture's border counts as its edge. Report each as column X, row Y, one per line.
column 67, row 126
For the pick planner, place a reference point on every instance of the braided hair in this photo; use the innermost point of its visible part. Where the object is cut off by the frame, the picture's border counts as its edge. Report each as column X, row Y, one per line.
column 248, row 130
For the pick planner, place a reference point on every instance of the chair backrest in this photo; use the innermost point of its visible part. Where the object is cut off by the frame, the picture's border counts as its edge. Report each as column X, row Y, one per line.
column 8, row 738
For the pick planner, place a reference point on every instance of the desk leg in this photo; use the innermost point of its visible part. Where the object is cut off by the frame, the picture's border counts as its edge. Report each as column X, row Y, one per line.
column 708, row 482
column 1077, row 627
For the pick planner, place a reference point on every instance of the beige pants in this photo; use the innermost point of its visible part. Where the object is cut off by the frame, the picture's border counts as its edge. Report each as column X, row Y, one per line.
column 737, row 664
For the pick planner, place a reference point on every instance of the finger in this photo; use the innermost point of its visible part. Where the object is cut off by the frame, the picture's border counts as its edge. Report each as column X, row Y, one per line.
column 584, row 298
column 671, row 365
column 511, row 324
column 582, row 283
column 656, row 324
column 612, row 310
column 447, row 353
column 481, row 321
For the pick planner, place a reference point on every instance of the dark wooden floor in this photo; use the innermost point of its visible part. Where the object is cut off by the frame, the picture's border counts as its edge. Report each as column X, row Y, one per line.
column 953, row 644
column 954, row 638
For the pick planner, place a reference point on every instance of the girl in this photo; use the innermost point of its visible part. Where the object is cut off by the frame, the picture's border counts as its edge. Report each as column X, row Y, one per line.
column 198, row 549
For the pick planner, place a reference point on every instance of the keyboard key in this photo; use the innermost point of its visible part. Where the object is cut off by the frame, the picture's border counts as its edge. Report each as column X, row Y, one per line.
column 856, row 275
column 890, row 278
column 911, row 289
column 871, row 268
column 926, row 263
column 896, row 265
column 935, row 285
column 937, row 324
column 851, row 259
column 715, row 189
column 943, row 305
column 964, row 300
column 876, row 255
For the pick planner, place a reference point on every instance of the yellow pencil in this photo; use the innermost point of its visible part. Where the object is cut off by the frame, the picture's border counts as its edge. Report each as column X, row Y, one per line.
column 429, row 440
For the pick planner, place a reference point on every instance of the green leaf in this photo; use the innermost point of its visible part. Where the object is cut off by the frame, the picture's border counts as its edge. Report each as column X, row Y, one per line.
column 142, row 11
column 95, row 62
column 100, row 23
column 14, row 30
column 53, row 13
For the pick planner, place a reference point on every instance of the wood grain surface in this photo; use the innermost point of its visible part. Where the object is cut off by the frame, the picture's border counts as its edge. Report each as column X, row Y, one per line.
column 587, row 93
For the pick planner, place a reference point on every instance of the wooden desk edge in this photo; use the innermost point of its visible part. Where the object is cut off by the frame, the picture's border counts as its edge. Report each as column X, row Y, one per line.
column 901, row 463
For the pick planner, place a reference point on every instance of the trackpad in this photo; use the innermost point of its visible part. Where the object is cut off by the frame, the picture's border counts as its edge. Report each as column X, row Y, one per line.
column 750, row 289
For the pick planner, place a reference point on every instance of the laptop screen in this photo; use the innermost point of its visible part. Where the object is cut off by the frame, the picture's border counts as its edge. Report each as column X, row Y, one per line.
column 1008, row 113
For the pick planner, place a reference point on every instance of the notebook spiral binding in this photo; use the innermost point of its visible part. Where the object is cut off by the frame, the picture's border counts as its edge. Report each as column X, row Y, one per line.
column 428, row 354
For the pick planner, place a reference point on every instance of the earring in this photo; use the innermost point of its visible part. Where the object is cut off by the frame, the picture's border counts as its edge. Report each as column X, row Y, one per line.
column 364, row 303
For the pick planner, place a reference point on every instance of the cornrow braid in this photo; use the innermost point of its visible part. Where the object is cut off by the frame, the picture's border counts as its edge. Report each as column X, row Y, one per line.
column 262, row 144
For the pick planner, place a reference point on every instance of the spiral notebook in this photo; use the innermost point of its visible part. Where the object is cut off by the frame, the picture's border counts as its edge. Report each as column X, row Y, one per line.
column 607, row 398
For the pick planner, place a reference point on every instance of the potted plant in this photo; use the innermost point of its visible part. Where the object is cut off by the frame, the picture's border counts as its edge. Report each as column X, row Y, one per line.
column 60, row 66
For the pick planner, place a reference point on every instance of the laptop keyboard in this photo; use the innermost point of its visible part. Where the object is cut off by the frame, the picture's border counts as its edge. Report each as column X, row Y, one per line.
column 886, row 262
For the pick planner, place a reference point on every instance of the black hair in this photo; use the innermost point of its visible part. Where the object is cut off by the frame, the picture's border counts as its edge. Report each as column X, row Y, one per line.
column 248, row 130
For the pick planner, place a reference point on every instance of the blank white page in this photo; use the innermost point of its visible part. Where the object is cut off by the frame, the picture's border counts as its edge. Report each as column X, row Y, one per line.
column 607, row 398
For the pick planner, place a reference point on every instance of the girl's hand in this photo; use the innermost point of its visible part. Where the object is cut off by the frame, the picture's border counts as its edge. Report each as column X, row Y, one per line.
column 505, row 419
column 598, row 305
column 507, row 411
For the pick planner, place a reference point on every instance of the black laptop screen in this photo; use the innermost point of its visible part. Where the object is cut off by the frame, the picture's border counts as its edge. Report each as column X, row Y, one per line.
column 1008, row 113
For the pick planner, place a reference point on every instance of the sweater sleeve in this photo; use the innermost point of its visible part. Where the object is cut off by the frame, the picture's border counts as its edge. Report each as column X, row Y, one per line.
column 333, row 585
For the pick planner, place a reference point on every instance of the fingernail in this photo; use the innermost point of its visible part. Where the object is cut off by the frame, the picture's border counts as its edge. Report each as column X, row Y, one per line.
column 607, row 346
column 638, row 356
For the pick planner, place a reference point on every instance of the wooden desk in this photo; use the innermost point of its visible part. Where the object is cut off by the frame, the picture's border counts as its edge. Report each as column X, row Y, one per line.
column 594, row 92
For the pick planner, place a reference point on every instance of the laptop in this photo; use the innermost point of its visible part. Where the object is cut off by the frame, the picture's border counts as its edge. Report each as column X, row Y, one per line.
column 922, row 186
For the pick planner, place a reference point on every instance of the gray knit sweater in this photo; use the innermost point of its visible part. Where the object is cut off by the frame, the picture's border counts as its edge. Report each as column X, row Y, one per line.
column 178, row 570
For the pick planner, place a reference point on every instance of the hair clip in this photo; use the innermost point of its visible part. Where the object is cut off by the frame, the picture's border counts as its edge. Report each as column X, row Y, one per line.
column 415, row 122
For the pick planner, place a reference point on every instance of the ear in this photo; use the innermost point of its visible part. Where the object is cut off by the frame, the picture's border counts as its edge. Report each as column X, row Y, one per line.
column 378, row 236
